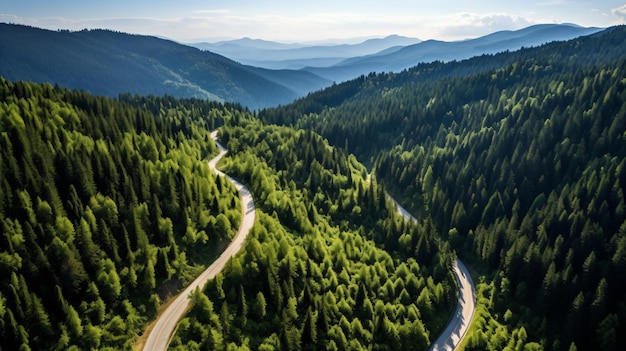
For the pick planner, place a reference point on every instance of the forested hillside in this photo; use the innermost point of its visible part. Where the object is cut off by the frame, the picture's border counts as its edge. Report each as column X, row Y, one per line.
column 372, row 112
column 104, row 62
column 330, row 264
column 402, row 58
column 518, row 161
column 106, row 208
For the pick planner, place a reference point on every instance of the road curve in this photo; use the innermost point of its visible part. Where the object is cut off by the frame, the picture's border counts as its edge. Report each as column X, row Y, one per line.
column 163, row 329
column 463, row 313
column 451, row 337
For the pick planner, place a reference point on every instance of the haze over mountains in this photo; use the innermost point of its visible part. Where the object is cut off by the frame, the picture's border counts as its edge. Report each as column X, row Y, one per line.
column 109, row 63
column 275, row 55
column 519, row 160
column 254, row 73
column 514, row 162
column 339, row 62
column 398, row 59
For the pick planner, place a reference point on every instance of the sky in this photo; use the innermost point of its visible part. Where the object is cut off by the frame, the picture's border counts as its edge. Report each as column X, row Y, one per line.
column 191, row 21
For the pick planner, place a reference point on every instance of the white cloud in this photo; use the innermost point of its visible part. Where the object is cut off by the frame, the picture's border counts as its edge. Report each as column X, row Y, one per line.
column 175, row 28
column 470, row 25
column 46, row 23
column 620, row 12
column 202, row 25
column 227, row 21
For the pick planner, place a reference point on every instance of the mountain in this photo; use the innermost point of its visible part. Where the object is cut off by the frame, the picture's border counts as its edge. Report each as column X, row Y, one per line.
column 274, row 55
column 108, row 207
column 109, row 63
column 243, row 44
column 518, row 159
column 435, row 50
column 515, row 162
column 102, row 202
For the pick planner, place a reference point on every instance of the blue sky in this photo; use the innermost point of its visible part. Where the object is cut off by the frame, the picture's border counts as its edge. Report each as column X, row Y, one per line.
column 299, row 21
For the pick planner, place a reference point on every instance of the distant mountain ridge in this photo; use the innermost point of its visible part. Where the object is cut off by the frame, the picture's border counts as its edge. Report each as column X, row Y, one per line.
column 340, row 62
column 109, row 63
column 105, row 62
column 434, row 50
column 275, row 55
column 509, row 155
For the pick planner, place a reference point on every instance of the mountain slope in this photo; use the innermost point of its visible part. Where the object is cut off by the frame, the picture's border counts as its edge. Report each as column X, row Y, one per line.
column 279, row 56
column 434, row 50
column 596, row 49
column 110, row 63
column 105, row 210
column 519, row 164
column 107, row 206
column 329, row 263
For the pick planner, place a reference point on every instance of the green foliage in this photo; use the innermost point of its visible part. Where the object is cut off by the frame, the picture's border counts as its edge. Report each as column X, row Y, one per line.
column 96, row 195
column 488, row 331
column 104, row 62
column 517, row 160
column 314, row 268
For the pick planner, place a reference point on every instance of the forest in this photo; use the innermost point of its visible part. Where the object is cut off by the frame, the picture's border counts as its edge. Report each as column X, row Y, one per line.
column 107, row 207
column 331, row 265
column 518, row 162
column 513, row 162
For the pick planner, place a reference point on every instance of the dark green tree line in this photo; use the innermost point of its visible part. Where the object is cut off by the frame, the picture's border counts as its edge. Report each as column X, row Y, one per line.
column 106, row 208
column 519, row 166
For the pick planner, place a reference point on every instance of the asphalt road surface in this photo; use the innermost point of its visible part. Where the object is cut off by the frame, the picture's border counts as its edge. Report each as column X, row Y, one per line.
column 451, row 337
column 459, row 323
column 165, row 325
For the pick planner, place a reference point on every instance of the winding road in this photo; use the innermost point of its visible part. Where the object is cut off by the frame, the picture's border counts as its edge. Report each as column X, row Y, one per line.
column 459, row 322
column 164, row 327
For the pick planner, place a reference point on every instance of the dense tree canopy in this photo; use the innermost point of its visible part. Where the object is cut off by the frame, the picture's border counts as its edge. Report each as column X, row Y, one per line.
column 105, row 62
column 516, row 161
column 109, row 207
column 105, row 209
column 314, row 274
column 519, row 166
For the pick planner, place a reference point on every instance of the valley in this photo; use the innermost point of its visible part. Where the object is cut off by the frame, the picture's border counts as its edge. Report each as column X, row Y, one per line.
column 503, row 164
column 113, row 213
column 255, row 74
column 161, row 331
column 452, row 335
